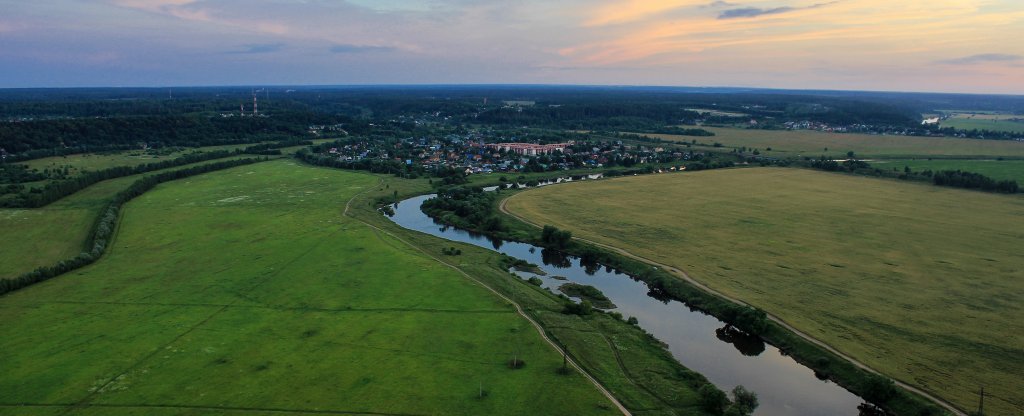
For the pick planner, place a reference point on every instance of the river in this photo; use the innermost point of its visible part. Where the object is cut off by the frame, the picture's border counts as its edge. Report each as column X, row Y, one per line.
column 699, row 341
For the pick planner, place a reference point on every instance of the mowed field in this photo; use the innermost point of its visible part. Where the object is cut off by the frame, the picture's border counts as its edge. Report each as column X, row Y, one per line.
column 43, row 236
column 247, row 291
column 792, row 143
column 920, row 282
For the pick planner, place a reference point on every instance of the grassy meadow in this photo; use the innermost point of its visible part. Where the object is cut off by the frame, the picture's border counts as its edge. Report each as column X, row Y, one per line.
column 77, row 163
column 1008, row 169
column 994, row 122
column 247, row 290
column 43, row 236
column 794, row 143
column 920, row 282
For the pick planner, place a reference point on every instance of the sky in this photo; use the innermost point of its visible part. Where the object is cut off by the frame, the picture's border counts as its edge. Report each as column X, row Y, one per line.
column 971, row 46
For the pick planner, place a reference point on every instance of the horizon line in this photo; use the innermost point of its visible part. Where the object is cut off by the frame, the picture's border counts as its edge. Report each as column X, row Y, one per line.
column 606, row 86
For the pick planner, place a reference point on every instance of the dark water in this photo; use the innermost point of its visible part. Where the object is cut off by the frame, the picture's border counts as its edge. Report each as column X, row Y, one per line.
column 700, row 342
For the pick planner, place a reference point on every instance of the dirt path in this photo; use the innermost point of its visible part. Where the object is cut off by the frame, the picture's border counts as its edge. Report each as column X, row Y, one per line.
column 686, row 277
column 519, row 309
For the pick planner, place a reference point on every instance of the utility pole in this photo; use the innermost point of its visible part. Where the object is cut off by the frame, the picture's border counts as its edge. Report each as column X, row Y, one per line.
column 565, row 359
column 981, row 402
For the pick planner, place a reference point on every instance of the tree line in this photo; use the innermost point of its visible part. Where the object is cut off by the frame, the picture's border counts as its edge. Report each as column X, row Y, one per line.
column 42, row 138
column 53, row 191
column 952, row 178
column 106, row 223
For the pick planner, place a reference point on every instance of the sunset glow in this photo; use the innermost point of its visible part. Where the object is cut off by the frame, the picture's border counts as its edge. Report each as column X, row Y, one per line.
column 911, row 45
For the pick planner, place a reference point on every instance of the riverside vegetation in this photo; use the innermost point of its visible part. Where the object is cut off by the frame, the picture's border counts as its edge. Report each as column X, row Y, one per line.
column 926, row 283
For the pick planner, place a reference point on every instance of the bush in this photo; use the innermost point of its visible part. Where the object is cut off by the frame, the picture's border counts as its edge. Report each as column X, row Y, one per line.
column 582, row 309
column 712, row 399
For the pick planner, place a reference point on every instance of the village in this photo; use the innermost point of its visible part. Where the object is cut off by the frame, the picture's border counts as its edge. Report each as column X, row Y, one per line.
column 476, row 153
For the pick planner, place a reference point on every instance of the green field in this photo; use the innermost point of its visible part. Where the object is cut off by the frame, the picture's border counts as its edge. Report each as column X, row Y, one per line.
column 97, row 161
column 1010, row 169
column 994, row 122
column 794, row 143
column 77, row 163
column 920, row 282
column 247, row 290
column 43, row 236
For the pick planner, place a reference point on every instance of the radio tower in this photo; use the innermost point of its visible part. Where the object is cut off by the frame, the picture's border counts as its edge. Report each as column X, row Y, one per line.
column 254, row 106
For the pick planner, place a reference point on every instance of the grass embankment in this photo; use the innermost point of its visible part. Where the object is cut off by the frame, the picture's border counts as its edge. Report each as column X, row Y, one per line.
column 247, row 290
column 907, row 278
column 634, row 366
column 43, row 236
column 800, row 143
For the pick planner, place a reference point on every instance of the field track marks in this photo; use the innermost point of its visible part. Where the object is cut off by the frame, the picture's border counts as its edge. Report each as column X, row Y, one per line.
column 85, row 401
column 208, row 408
column 686, row 277
column 519, row 309
column 92, row 395
column 276, row 308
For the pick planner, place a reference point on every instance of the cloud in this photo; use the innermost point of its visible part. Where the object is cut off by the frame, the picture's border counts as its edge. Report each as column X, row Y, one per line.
column 748, row 12
column 259, row 48
column 982, row 58
column 719, row 3
column 342, row 48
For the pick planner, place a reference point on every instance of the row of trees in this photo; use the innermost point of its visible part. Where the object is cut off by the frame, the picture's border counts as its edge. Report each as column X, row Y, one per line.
column 106, row 223
column 388, row 166
column 953, row 178
column 970, row 180
column 42, row 138
column 53, row 191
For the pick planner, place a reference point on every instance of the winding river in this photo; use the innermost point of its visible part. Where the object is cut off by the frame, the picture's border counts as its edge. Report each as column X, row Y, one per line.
column 699, row 341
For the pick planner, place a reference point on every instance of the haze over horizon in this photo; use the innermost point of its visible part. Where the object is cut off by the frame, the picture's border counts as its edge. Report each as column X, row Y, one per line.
column 962, row 46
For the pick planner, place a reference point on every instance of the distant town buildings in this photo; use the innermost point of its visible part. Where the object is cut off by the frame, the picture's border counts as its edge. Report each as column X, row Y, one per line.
column 530, row 149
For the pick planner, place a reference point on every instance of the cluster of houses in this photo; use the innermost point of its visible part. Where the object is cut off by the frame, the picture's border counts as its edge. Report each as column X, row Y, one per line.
column 472, row 153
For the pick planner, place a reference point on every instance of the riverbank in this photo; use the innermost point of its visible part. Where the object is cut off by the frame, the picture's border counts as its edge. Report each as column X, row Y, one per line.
column 824, row 359
column 827, row 365
column 630, row 363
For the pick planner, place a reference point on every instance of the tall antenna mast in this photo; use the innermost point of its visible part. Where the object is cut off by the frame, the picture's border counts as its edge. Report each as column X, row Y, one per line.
column 255, row 109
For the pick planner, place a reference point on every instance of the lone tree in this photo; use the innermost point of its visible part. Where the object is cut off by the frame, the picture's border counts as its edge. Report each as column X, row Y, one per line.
column 555, row 237
column 712, row 399
column 743, row 401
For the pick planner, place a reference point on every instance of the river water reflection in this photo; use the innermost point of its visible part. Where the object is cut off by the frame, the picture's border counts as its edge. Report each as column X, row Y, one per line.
column 700, row 342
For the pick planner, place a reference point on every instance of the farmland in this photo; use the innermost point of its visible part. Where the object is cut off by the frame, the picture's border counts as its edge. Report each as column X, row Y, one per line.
column 300, row 310
column 794, row 143
column 994, row 122
column 43, row 236
column 1008, row 169
column 904, row 277
column 78, row 163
